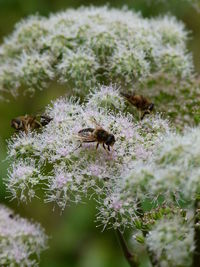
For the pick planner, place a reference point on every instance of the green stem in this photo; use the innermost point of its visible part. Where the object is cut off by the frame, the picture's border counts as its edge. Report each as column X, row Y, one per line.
column 131, row 259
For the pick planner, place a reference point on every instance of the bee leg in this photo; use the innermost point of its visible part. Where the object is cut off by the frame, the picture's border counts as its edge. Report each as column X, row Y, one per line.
column 139, row 115
column 77, row 147
column 145, row 113
column 97, row 145
column 26, row 129
column 106, row 149
column 38, row 124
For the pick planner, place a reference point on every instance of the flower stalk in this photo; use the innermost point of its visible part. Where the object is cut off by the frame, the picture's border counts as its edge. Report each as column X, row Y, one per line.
column 130, row 257
column 196, row 258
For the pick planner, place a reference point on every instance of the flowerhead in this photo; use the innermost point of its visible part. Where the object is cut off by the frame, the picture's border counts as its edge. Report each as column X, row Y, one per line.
column 20, row 239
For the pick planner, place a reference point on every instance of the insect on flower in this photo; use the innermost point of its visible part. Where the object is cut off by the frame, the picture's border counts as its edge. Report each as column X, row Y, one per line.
column 97, row 134
column 140, row 102
column 28, row 122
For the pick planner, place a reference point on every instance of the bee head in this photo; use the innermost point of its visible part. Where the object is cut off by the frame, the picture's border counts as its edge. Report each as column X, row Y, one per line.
column 16, row 124
column 45, row 120
column 110, row 140
column 151, row 107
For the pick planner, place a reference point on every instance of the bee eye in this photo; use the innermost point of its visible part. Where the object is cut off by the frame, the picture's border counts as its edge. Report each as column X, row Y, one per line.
column 45, row 120
column 16, row 123
column 110, row 140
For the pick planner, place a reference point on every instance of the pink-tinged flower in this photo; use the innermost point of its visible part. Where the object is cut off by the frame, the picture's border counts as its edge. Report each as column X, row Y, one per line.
column 21, row 241
column 142, row 153
column 24, row 176
column 71, row 168
column 95, row 170
column 63, row 151
column 117, row 204
column 62, row 179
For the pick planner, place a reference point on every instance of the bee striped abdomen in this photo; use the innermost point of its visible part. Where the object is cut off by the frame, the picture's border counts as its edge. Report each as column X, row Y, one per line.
column 101, row 135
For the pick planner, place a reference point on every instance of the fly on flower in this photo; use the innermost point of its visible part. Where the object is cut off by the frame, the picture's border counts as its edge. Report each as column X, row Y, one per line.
column 140, row 102
column 29, row 123
column 97, row 134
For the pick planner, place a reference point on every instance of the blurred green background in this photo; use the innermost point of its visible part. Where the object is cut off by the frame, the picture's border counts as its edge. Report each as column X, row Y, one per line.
column 74, row 239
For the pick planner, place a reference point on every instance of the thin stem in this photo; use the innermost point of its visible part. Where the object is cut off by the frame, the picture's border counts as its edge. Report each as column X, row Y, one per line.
column 127, row 254
column 152, row 258
column 196, row 257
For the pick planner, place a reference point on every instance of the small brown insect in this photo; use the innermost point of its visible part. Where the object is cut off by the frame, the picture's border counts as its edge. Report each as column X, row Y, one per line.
column 99, row 135
column 29, row 123
column 140, row 102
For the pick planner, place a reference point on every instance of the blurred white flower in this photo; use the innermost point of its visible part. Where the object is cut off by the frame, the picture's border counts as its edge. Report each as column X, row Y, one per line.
column 93, row 45
column 172, row 171
column 21, row 240
column 172, row 242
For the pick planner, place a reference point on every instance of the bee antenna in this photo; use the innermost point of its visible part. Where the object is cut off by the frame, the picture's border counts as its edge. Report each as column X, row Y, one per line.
column 124, row 94
column 93, row 120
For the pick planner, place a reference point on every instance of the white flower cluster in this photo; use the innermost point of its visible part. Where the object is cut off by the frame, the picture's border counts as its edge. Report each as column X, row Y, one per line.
column 26, row 176
column 88, row 46
column 21, row 242
column 84, row 48
column 54, row 157
column 107, row 97
column 177, row 165
column 172, row 242
column 173, row 171
column 167, row 179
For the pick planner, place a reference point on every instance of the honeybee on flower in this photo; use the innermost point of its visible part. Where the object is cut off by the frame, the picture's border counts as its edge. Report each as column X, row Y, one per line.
column 29, row 123
column 97, row 134
column 143, row 104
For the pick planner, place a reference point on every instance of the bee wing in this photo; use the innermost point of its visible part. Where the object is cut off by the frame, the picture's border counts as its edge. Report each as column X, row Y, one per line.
column 86, row 135
column 89, row 139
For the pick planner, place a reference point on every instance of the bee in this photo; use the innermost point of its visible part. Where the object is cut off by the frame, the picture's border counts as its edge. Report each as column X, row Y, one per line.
column 28, row 122
column 97, row 134
column 140, row 102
